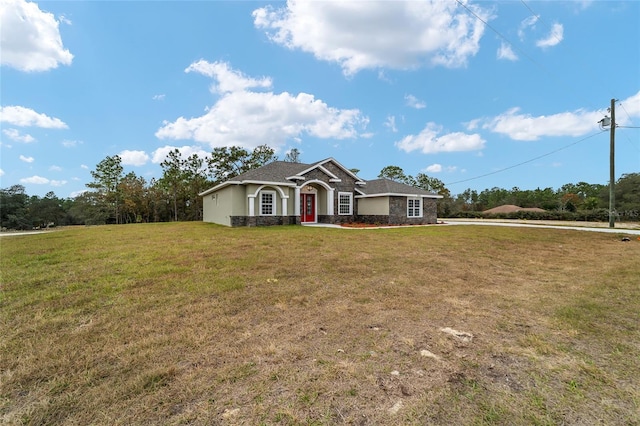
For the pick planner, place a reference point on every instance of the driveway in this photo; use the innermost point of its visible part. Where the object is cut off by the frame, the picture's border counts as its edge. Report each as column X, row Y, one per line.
column 625, row 228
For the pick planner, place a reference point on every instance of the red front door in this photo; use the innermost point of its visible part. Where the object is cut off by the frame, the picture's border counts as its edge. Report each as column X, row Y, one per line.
column 307, row 208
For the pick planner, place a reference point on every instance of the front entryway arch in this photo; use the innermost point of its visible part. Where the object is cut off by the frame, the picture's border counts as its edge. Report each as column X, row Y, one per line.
column 308, row 198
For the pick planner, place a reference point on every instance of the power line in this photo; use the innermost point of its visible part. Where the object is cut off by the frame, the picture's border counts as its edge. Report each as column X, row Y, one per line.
column 626, row 112
column 475, row 15
column 521, row 51
column 539, row 18
column 528, row 161
column 627, row 138
column 549, row 73
column 575, row 57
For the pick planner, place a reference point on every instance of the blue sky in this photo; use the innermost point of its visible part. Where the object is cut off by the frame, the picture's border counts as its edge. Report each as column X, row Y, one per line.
column 460, row 91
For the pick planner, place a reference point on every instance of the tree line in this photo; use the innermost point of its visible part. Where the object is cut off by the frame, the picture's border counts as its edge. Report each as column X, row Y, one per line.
column 115, row 197
column 572, row 201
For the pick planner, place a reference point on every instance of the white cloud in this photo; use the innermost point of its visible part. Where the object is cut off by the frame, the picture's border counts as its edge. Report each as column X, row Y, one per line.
column 84, row 166
column 38, row 180
column 65, row 20
column 248, row 119
column 75, row 194
column 27, row 159
column 391, row 123
column 159, row 155
column 505, row 52
column 229, row 80
column 382, row 76
column 555, row 36
column 525, row 127
column 158, row 97
column 434, row 168
column 473, row 124
column 631, row 108
column 1, row 172
column 55, row 168
column 439, row 168
column 70, row 144
column 133, row 158
column 529, row 22
column 414, row 102
column 26, row 117
column 366, row 35
column 428, row 141
column 16, row 135
column 30, row 37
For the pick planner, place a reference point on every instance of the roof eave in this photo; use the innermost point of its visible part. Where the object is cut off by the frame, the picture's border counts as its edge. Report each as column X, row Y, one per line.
column 395, row 194
column 219, row 186
column 266, row 182
column 320, row 164
column 244, row 182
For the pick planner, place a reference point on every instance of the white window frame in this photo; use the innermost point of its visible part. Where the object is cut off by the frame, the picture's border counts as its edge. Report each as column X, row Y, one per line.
column 411, row 207
column 273, row 203
column 341, row 204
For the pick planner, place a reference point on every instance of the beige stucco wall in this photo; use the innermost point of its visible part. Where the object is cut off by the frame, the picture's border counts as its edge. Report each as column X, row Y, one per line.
column 232, row 200
column 291, row 202
column 373, row 206
column 226, row 202
column 321, row 201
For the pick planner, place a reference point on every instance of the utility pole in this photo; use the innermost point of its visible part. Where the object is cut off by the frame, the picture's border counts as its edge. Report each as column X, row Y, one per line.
column 612, row 167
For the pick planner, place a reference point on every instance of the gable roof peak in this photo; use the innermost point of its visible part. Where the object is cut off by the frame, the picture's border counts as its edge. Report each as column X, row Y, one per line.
column 337, row 163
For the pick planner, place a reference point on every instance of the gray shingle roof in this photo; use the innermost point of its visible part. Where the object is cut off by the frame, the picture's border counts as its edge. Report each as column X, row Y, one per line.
column 277, row 171
column 386, row 186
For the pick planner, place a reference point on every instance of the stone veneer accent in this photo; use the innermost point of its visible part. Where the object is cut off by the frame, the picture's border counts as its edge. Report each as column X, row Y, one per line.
column 398, row 212
column 397, row 216
column 264, row 220
column 238, row 220
column 374, row 219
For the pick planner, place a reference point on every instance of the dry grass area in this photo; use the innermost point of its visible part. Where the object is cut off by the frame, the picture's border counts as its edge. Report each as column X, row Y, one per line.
column 191, row 323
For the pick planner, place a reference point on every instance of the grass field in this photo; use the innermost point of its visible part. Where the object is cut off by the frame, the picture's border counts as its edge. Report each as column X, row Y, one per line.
column 191, row 323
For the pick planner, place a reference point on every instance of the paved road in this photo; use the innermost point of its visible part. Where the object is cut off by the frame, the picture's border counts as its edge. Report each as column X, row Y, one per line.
column 625, row 231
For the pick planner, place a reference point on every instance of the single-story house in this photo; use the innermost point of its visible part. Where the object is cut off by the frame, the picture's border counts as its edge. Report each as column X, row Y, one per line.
column 284, row 193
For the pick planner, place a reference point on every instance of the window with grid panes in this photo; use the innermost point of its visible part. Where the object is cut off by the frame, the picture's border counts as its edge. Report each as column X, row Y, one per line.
column 414, row 207
column 267, row 203
column 345, row 203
